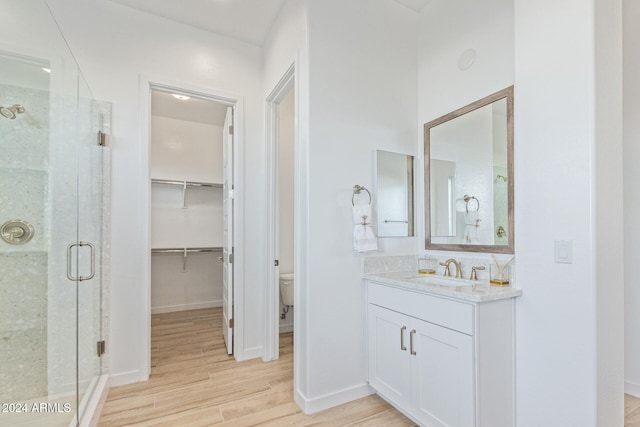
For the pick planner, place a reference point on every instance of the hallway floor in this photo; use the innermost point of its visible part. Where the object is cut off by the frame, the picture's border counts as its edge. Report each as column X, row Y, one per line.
column 631, row 411
column 194, row 382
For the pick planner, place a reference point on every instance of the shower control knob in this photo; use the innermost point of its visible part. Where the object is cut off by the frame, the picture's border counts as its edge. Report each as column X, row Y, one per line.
column 16, row 232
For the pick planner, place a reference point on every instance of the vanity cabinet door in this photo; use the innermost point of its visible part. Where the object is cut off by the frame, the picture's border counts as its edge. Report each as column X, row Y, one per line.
column 442, row 370
column 389, row 358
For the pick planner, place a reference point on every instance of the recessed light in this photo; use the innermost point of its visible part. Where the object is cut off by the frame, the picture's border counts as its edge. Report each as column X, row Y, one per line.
column 46, row 70
column 180, row 97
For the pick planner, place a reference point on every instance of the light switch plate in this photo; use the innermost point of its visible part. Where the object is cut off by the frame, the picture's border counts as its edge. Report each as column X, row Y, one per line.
column 563, row 251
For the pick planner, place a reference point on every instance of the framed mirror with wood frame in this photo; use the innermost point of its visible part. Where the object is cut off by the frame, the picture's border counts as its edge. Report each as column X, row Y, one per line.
column 469, row 177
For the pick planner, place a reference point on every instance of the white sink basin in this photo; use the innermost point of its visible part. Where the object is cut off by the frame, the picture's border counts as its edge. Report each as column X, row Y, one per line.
column 431, row 279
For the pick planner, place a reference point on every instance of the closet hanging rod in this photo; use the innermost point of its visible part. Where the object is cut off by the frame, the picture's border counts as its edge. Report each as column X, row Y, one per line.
column 188, row 183
column 188, row 250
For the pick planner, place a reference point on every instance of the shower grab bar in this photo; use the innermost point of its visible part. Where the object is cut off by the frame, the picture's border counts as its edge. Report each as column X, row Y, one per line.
column 93, row 262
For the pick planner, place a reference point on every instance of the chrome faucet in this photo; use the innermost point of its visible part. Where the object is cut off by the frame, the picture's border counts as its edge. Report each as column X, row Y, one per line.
column 447, row 270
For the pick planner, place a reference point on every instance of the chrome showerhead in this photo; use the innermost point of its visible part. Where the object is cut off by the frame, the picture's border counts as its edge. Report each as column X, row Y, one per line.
column 12, row 112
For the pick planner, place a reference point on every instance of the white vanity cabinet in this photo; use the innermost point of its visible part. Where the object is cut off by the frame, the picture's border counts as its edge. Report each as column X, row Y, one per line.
column 441, row 361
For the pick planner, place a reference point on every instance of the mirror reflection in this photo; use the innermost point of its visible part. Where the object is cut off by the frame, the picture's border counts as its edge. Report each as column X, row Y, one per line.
column 469, row 170
column 394, row 191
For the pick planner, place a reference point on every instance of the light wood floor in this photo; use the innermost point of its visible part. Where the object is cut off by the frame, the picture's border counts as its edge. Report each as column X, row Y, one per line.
column 194, row 382
column 631, row 411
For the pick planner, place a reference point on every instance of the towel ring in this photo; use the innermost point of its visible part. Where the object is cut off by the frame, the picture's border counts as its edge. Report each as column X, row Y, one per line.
column 467, row 199
column 356, row 190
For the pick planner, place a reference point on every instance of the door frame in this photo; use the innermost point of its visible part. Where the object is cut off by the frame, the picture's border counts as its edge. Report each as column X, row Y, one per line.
column 272, row 320
column 147, row 84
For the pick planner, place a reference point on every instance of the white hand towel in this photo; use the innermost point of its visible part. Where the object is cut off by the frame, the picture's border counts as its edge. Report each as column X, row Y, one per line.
column 472, row 222
column 471, row 218
column 364, row 239
column 359, row 211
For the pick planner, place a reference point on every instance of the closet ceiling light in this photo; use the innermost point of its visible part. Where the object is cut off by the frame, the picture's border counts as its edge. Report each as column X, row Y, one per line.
column 180, row 97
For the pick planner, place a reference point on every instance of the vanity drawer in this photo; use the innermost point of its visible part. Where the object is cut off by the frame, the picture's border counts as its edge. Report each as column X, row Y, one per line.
column 441, row 311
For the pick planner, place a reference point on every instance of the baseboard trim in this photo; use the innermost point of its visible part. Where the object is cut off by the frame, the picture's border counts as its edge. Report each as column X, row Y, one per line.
column 126, row 378
column 632, row 388
column 185, row 307
column 250, row 353
column 287, row 327
column 317, row 404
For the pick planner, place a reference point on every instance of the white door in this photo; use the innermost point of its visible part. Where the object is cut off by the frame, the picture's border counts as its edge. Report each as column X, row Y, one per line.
column 389, row 357
column 443, row 386
column 227, row 232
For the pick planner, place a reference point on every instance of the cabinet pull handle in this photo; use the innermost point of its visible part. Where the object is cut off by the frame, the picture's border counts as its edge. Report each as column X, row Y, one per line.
column 402, row 346
column 413, row 352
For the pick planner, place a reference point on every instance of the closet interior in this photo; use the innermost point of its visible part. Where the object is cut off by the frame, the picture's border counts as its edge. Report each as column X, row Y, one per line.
column 186, row 169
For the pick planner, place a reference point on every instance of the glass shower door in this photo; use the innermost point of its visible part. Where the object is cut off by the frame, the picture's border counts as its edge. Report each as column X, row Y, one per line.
column 38, row 205
column 90, row 246
column 51, row 182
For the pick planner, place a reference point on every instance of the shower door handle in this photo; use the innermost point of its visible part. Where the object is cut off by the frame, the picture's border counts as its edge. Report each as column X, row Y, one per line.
column 93, row 262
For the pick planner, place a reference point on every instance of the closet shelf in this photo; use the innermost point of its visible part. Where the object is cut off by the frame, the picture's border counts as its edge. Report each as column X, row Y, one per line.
column 185, row 185
column 185, row 252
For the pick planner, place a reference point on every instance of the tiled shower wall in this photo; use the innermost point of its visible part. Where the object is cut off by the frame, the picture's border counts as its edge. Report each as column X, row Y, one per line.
column 23, row 269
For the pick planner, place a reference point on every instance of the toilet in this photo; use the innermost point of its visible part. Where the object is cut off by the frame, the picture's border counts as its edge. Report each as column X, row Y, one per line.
column 286, row 288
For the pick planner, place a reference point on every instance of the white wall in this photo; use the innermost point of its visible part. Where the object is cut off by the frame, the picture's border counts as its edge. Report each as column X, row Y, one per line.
column 286, row 43
column 562, row 180
column 362, row 97
column 446, row 30
column 198, row 285
column 185, row 150
column 114, row 46
column 631, row 195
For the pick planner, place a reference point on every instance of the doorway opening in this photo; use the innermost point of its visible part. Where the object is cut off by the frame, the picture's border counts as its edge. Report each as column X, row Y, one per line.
column 192, row 234
column 281, row 143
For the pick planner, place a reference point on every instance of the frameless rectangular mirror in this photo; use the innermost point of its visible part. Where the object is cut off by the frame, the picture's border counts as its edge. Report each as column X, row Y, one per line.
column 469, row 177
column 394, row 194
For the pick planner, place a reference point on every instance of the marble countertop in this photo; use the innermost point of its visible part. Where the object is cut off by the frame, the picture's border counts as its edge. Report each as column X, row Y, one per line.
column 466, row 290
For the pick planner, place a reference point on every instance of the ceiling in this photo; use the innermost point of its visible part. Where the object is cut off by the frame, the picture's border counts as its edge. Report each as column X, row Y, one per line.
column 245, row 20
column 192, row 110
column 416, row 5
